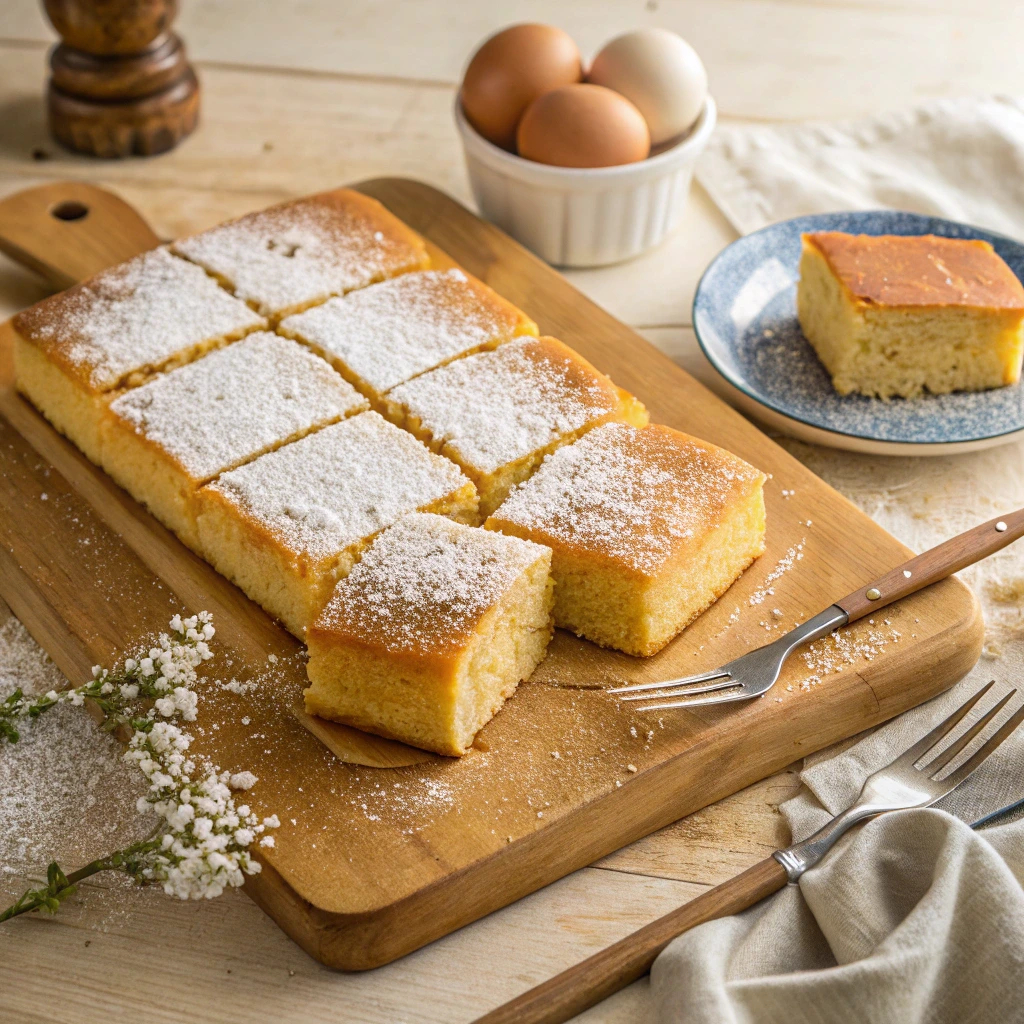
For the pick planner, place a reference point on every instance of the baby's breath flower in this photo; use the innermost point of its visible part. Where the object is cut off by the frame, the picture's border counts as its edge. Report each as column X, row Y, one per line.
column 202, row 844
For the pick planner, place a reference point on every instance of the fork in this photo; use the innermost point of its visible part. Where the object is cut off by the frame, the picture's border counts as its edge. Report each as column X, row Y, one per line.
column 755, row 672
column 903, row 784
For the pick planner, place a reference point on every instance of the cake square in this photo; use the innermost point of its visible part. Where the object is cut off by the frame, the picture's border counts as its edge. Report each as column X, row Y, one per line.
column 285, row 526
column 383, row 335
column 162, row 441
column 498, row 413
column 900, row 315
column 298, row 253
column 647, row 527
column 114, row 330
column 430, row 633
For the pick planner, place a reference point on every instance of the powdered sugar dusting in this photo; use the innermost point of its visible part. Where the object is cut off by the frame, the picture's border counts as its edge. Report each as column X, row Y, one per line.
column 633, row 495
column 496, row 407
column 305, row 251
column 425, row 583
column 392, row 331
column 136, row 316
column 344, row 483
column 236, row 403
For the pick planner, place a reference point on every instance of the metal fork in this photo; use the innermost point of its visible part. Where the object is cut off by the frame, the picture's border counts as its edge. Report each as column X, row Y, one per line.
column 902, row 784
column 756, row 672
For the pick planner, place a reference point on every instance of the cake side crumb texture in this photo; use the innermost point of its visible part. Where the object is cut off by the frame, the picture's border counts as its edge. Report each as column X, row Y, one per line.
column 382, row 335
column 286, row 257
column 425, row 583
column 340, row 485
column 236, row 403
column 494, row 408
column 629, row 496
column 137, row 317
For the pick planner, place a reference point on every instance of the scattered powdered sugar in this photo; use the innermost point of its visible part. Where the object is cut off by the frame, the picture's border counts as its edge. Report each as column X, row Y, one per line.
column 785, row 563
column 62, row 766
column 499, row 406
column 134, row 317
column 392, row 331
column 425, row 583
column 346, row 482
column 305, row 251
column 845, row 647
column 236, row 403
column 633, row 495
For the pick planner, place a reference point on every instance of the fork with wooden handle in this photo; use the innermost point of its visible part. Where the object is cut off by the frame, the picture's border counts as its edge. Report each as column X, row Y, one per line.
column 755, row 672
column 900, row 785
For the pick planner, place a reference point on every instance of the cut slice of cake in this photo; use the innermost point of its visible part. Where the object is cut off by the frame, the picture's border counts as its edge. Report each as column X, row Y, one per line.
column 290, row 256
column 165, row 439
column 285, row 526
column 385, row 334
column 498, row 413
column 647, row 528
column 899, row 315
column 430, row 633
column 74, row 349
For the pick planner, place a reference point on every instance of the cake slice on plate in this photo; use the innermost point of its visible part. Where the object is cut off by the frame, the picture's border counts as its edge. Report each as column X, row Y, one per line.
column 75, row 350
column 287, row 525
column 162, row 441
column 900, row 315
column 498, row 413
column 383, row 335
column 648, row 527
column 285, row 258
column 430, row 633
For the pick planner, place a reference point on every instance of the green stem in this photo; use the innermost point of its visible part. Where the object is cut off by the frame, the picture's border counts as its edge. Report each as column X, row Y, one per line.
column 59, row 887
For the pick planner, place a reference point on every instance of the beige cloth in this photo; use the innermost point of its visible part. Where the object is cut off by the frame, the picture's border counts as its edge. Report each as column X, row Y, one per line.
column 914, row 917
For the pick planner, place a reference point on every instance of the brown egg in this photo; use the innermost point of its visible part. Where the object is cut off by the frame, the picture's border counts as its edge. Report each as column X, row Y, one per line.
column 510, row 71
column 583, row 126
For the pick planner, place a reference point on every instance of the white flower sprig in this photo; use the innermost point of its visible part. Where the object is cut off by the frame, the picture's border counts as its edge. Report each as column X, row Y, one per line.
column 202, row 843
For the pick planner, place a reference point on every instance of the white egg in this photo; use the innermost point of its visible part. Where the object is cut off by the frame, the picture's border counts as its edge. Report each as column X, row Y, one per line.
column 660, row 73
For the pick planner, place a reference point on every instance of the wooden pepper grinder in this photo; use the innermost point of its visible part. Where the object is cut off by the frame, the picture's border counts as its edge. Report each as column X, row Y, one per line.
column 120, row 83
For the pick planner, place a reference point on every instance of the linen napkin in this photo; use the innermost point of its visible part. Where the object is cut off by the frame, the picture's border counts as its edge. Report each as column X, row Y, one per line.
column 958, row 158
column 913, row 917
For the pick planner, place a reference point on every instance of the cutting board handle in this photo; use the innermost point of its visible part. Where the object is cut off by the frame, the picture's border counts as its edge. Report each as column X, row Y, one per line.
column 69, row 230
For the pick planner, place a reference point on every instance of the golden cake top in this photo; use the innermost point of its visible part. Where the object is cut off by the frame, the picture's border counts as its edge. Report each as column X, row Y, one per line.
column 134, row 318
column 923, row 270
column 340, row 485
column 237, row 403
column 424, row 585
column 392, row 331
column 496, row 407
column 632, row 497
column 289, row 256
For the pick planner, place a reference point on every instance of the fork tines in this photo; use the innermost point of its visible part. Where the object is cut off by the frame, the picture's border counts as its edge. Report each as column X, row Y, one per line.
column 947, row 755
column 677, row 688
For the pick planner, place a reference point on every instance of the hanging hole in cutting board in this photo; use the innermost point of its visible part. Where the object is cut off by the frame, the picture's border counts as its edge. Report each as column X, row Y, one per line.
column 69, row 210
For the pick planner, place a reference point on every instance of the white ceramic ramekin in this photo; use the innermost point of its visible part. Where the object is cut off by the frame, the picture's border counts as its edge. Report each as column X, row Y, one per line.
column 584, row 217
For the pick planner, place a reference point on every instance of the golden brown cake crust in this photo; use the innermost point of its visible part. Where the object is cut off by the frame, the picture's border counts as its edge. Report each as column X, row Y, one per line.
column 627, row 497
column 423, row 588
column 924, row 270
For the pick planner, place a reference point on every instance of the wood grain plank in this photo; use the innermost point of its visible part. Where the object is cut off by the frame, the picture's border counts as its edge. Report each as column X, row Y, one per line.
column 767, row 59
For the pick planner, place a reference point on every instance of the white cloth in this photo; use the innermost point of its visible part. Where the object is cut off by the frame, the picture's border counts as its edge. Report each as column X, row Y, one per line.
column 913, row 918
column 962, row 159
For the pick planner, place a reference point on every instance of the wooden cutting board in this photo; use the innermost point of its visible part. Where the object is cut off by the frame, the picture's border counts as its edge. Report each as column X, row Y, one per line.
column 371, row 863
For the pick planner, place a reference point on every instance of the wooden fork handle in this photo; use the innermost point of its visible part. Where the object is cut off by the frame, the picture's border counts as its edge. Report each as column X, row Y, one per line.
column 599, row 976
column 935, row 564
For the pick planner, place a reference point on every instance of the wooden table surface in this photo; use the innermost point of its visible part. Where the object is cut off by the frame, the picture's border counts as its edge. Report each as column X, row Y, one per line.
column 300, row 97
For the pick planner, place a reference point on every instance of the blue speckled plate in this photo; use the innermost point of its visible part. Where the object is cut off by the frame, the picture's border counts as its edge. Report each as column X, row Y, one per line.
column 744, row 315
